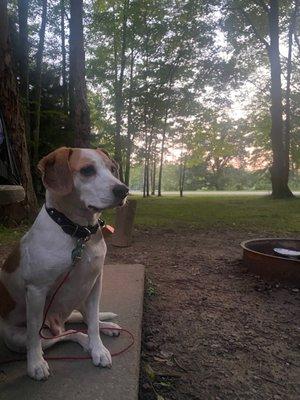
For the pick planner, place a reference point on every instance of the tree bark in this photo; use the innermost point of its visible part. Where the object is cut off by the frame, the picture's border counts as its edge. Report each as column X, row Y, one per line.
column 182, row 168
column 24, row 61
column 287, row 134
column 79, row 109
column 119, row 81
column 10, row 107
column 279, row 169
column 182, row 177
column 130, row 127
column 162, row 150
column 279, row 175
column 38, row 84
column 146, row 174
column 153, row 180
column 64, row 57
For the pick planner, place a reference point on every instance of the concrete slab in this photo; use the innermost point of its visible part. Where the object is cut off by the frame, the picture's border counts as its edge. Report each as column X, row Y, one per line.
column 122, row 294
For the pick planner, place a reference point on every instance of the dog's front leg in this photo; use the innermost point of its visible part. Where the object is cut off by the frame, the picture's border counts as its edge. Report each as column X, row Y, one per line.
column 37, row 367
column 100, row 355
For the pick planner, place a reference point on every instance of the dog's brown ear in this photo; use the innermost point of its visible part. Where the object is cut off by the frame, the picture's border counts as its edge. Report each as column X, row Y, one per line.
column 104, row 151
column 107, row 154
column 56, row 172
column 111, row 159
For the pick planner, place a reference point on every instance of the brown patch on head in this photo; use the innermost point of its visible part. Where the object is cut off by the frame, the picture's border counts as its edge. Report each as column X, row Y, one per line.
column 78, row 160
column 13, row 260
column 56, row 172
column 7, row 303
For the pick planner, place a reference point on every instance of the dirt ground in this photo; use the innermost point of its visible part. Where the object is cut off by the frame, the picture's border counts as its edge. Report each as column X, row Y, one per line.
column 211, row 330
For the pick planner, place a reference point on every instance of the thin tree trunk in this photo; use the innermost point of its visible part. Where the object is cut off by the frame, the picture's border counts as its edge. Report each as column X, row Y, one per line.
column 145, row 167
column 162, row 150
column 287, row 134
column 279, row 176
column 145, row 179
column 38, row 84
column 182, row 168
column 119, row 101
column 64, row 57
column 24, row 61
column 10, row 107
column 147, row 160
column 130, row 128
column 79, row 109
column 153, row 181
column 182, row 177
column 148, row 178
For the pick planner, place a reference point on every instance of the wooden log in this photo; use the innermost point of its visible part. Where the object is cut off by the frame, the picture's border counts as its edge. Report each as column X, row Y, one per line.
column 124, row 224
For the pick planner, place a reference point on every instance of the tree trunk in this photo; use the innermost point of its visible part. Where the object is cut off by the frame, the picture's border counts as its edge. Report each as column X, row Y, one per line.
column 145, row 179
column 64, row 57
column 38, row 84
column 162, row 150
column 130, row 128
column 182, row 167
column 146, row 174
column 119, row 101
column 182, row 177
column 153, row 181
column 148, row 178
column 79, row 110
column 24, row 61
column 279, row 176
column 288, row 90
column 10, row 107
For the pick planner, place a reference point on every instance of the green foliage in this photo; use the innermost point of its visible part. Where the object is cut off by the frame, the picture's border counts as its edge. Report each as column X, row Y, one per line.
column 191, row 61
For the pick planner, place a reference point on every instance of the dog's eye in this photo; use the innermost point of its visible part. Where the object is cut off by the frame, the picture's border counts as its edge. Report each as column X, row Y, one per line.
column 88, row 171
column 114, row 169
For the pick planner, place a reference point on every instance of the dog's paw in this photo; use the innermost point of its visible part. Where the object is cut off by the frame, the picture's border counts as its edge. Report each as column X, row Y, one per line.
column 101, row 356
column 109, row 328
column 38, row 370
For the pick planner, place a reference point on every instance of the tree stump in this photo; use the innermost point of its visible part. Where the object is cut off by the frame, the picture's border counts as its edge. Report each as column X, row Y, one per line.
column 10, row 209
column 10, row 194
column 124, row 225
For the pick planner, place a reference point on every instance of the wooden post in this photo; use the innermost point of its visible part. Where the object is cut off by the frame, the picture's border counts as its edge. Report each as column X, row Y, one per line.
column 124, row 225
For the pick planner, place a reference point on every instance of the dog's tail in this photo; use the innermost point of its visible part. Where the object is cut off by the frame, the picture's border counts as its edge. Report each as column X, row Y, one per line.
column 76, row 316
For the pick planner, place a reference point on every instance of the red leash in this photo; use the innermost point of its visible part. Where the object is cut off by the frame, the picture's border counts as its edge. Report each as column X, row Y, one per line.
column 70, row 358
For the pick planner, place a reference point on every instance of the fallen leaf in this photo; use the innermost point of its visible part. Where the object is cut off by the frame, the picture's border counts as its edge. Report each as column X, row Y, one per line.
column 150, row 373
column 159, row 359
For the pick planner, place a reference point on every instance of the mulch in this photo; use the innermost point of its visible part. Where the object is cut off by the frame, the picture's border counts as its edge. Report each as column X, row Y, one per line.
column 211, row 330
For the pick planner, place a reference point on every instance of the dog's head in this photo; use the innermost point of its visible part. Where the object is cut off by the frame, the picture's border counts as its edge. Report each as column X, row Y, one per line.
column 90, row 174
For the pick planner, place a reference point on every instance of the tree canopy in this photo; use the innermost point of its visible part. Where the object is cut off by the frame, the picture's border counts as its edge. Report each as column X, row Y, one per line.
column 209, row 90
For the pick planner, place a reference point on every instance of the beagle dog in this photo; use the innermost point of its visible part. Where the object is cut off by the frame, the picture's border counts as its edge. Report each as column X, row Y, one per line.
column 80, row 184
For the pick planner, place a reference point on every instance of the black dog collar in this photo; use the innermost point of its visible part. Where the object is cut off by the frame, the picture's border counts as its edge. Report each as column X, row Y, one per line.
column 72, row 229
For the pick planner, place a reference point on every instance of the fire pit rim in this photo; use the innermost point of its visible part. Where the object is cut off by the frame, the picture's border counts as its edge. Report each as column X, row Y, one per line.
column 244, row 243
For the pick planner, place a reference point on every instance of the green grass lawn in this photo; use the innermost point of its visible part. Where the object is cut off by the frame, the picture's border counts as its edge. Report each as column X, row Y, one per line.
column 250, row 213
column 253, row 213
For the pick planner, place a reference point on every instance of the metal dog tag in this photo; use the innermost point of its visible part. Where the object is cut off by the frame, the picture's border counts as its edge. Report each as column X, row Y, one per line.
column 78, row 250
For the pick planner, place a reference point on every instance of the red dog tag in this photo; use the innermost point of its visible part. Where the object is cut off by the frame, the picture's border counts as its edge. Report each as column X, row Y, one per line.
column 108, row 230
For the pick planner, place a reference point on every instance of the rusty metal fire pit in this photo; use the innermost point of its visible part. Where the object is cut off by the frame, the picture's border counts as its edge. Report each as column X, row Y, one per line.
column 261, row 259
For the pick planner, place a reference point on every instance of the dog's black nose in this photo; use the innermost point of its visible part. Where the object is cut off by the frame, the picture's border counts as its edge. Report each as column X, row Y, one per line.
column 120, row 191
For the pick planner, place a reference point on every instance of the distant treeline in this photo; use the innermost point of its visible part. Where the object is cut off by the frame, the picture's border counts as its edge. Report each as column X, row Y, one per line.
column 197, row 178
